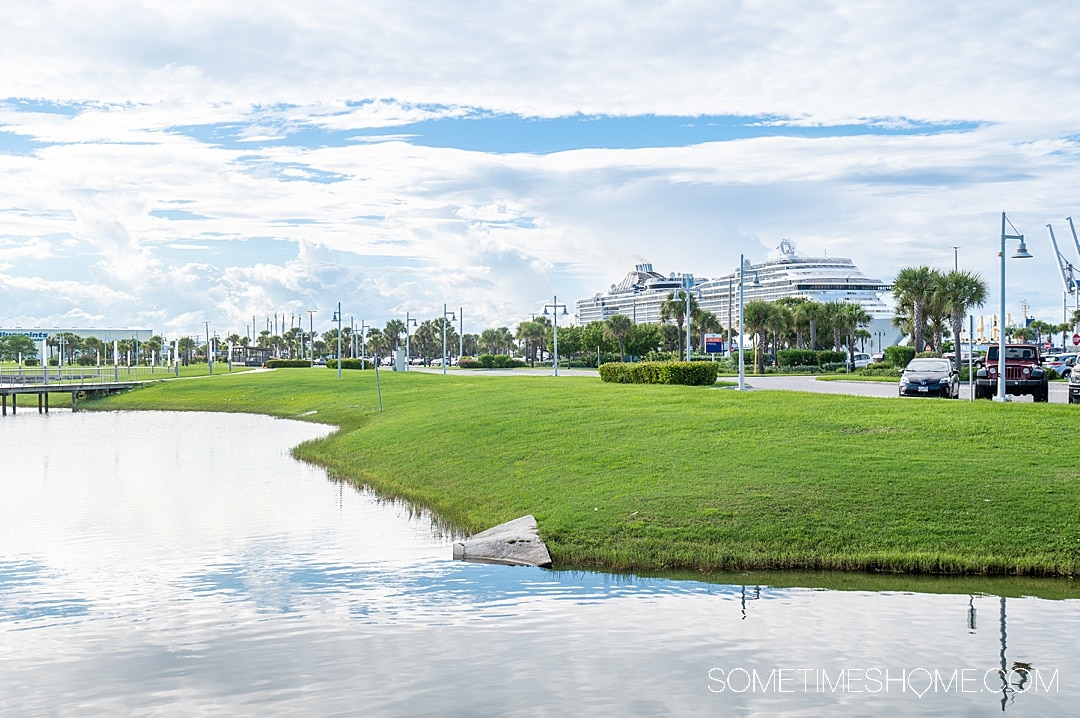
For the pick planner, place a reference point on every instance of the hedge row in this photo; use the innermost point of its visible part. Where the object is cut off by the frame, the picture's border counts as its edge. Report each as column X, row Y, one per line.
column 498, row 361
column 656, row 372
column 350, row 364
column 287, row 363
column 809, row 357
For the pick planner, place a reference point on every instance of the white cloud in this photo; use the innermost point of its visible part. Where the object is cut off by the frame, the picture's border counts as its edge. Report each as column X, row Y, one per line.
column 388, row 226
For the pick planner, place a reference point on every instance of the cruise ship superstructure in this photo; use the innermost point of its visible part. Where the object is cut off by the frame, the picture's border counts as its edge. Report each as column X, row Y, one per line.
column 785, row 273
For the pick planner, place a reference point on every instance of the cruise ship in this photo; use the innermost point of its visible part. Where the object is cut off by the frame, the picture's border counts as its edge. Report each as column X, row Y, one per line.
column 784, row 273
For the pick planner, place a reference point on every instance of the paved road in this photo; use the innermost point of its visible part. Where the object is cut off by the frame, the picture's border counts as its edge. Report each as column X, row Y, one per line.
column 1059, row 391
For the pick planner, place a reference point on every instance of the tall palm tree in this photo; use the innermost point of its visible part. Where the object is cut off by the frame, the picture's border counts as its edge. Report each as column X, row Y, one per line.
column 532, row 333
column 392, row 331
column 490, row 339
column 757, row 316
column 851, row 317
column 618, row 326
column 915, row 285
column 706, row 322
column 794, row 318
column 957, row 292
column 834, row 315
column 674, row 308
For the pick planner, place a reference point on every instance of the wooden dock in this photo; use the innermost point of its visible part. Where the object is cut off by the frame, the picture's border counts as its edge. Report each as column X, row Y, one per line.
column 40, row 384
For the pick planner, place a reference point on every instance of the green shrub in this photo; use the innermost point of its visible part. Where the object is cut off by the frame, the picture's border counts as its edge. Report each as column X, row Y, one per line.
column 899, row 356
column 512, row 363
column 879, row 369
column 615, row 372
column 86, row 361
column 796, row 357
column 347, row 364
column 468, row 363
column 290, row 363
column 486, row 361
column 31, row 361
column 685, row 373
column 828, row 356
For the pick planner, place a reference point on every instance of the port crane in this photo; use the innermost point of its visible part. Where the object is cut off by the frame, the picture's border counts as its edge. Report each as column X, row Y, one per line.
column 1068, row 275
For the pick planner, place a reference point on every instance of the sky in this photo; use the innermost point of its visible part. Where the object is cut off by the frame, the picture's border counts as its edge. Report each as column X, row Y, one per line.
column 169, row 165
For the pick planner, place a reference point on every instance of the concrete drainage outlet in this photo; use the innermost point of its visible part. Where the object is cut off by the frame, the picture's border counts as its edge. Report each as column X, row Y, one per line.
column 514, row 543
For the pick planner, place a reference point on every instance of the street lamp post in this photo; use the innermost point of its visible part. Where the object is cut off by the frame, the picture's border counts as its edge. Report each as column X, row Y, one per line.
column 311, row 332
column 742, row 329
column 461, row 333
column 1021, row 253
column 337, row 318
column 363, row 339
column 408, row 355
column 742, row 341
column 445, row 314
column 687, row 282
column 554, row 306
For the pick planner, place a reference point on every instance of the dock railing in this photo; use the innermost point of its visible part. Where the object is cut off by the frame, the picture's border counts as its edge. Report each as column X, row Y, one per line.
column 75, row 375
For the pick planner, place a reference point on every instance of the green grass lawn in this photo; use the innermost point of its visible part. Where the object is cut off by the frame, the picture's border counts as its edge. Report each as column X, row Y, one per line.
column 650, row 478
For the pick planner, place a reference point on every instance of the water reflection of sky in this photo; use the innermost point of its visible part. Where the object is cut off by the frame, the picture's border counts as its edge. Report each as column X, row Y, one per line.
column 161, row 575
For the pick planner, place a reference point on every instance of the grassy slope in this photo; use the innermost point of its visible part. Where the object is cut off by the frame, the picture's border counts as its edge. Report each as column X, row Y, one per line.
column 653, row 477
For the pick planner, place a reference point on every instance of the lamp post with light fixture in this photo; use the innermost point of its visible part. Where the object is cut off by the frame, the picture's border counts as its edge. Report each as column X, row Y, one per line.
column 408, row 355
column 742, row 329
column 445, row 314
column 311, row 333
column 1021, row 253
column 554, row 306
column 337, row 318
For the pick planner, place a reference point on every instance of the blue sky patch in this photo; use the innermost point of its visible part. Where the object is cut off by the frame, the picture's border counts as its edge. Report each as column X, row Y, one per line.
column 176, row 214
column 15, row 144
column 503, row 134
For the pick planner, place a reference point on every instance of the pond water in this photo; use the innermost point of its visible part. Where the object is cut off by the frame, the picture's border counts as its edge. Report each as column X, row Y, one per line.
column 184, row 564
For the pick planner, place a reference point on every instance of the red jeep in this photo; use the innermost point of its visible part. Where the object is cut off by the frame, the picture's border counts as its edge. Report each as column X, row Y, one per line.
column 1024, row 373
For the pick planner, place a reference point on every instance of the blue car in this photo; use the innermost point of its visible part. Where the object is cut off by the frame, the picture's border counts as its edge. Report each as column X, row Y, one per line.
column 930, row 377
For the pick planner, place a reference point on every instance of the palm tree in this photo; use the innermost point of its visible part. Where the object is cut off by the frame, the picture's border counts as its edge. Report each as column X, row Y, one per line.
column 915, row 286
column 757, row 316
column 706, row 322
column 532, row 333
column 957, row 292
column 186, row 345
column 851, row 317
column 393, row 331
column 834, row 314
column 795, row 317
column 616, row 327
column 674, row 308
column 490, row 339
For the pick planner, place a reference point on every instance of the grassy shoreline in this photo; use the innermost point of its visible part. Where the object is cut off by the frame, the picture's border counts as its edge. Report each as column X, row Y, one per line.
column 657, row 478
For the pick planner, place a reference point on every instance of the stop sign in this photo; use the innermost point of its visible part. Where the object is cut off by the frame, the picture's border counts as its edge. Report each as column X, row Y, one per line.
column 1046, row 346
column 1076, row 339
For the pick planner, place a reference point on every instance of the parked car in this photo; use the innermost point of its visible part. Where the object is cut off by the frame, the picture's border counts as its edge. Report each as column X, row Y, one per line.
column 929, row 376
column 862, row 360
column 1023, row 373
column 1074, row 387
column 1061, row 363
